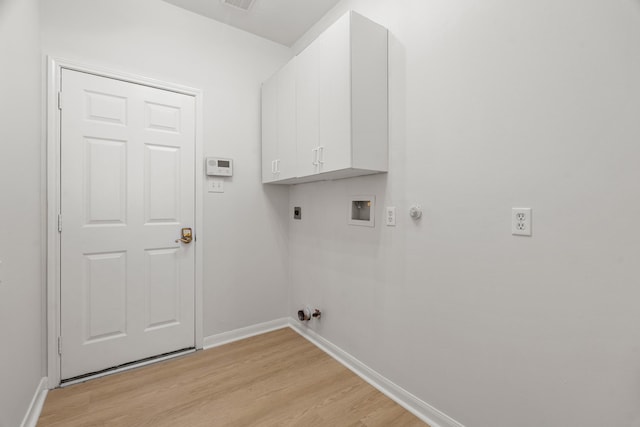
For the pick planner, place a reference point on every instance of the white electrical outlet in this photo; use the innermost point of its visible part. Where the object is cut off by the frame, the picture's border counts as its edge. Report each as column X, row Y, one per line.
column 215, row 186
column 521, row 221
column 390, row 216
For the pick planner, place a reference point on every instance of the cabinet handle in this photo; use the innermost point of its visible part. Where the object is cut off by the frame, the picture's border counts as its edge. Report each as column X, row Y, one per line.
column 321, row 155
column 273, row 167
column 315, row 156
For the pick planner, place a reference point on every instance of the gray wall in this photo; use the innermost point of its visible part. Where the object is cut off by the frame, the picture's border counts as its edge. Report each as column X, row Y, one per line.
column 493, row 105
column 20, row 233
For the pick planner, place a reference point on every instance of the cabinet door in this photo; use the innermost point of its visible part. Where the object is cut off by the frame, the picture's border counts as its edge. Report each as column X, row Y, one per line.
column 269, row 127
column 286, row 151
column 307, row 80
column 335, row 96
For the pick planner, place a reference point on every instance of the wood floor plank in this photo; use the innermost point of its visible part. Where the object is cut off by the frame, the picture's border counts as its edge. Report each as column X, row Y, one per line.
column 275, row 379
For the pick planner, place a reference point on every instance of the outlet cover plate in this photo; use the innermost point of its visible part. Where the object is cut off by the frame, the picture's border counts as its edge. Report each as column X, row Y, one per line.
column 521, row 221
column 215, row 186
column 390, row 216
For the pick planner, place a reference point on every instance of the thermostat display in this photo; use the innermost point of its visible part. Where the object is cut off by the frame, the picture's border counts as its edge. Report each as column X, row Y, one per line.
column 219, row 167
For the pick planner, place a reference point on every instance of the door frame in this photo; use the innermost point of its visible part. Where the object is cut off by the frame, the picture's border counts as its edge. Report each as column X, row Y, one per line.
column 53, row 193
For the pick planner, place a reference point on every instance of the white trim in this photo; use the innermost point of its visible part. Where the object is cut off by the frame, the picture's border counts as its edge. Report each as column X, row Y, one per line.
column 35, row 407
column 411, row 403
column 53, row 239
column 52, row 149
column 199, row 225
column 242, row 333
column 128, row 367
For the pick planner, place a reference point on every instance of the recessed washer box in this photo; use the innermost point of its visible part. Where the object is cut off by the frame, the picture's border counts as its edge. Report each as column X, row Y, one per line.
column 362, row 210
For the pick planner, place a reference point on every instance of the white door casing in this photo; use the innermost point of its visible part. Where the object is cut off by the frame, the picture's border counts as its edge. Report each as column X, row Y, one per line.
column 127, row 184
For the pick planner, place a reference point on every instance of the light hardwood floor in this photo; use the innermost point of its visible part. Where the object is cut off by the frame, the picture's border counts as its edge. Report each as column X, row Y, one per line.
column 275, row 379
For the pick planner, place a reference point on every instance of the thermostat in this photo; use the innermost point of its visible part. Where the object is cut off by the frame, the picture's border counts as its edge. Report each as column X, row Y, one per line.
column 217, row 166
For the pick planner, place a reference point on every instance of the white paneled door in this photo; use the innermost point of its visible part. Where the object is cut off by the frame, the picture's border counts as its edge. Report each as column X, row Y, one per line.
column 127, row 190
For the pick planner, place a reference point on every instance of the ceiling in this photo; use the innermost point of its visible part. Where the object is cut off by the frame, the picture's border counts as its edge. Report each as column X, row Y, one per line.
column 283, row 21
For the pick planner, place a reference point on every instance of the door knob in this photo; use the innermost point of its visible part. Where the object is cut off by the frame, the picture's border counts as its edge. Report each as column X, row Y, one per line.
column 187, row 236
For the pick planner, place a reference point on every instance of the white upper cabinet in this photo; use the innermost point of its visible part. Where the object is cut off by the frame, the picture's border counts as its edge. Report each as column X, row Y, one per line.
column 334, row 139
column 307, row 108
column 279, row 125
column 340, row 117
column 269, row 128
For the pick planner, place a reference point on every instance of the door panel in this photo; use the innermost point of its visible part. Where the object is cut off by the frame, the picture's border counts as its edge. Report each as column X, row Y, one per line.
column 104, row 287
column 162, row 117
column 104, row 107
column 105, row 192
column 162, row 184
column 162, row 288
column 127, row 180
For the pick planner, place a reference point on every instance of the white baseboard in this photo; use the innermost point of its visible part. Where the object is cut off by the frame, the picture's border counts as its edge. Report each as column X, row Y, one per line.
column 242, row 333
column 411, row 403
column 35, row 407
